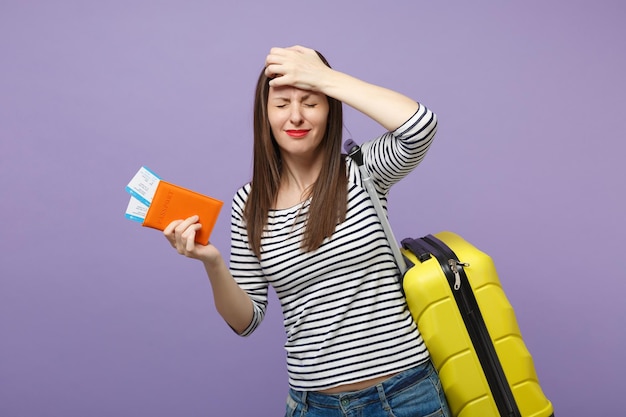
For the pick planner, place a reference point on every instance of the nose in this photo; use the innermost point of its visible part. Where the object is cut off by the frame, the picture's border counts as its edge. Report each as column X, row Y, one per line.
column 295, row 116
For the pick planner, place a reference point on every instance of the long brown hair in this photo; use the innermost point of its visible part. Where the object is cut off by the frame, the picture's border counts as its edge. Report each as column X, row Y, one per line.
column 329, row 192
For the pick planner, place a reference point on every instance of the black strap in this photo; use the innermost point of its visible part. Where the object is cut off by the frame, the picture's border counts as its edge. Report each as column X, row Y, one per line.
column 417, row 247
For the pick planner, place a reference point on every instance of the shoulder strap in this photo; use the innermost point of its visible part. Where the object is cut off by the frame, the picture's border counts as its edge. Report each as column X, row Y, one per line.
column 355, row 153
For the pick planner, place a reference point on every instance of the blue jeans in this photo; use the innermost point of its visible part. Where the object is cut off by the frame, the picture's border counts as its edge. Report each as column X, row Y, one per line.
column 416, row 392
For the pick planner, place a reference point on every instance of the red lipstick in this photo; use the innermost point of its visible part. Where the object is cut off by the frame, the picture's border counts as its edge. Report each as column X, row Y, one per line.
column 297, row 133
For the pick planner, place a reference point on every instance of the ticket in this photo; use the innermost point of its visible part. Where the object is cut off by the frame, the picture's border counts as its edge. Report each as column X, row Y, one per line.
column 143, row 185
column 136, row 210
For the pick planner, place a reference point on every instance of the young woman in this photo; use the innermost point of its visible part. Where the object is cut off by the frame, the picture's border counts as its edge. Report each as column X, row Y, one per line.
column 306, row 226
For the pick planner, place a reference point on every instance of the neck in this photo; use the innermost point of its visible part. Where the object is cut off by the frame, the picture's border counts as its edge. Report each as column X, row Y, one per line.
column 296, row 182
column 299, row 180
column 301, row 172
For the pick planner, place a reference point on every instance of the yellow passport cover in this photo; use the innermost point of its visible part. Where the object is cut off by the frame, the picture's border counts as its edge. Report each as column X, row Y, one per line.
column 172, row 202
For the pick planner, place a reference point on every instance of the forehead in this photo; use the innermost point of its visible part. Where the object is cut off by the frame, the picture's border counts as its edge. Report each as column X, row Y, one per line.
column 291, row 93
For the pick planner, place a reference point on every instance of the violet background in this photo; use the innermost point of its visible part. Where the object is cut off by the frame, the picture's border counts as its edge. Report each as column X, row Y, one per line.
column 99, row 317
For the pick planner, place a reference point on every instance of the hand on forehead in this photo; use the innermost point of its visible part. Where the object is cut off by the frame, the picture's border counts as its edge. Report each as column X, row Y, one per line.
column 295, row 66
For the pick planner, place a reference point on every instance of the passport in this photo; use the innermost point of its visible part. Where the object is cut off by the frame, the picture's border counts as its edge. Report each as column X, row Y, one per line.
column 156, row 203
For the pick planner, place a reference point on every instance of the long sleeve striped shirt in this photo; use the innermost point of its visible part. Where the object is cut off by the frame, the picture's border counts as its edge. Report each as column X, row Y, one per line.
column 345, row 317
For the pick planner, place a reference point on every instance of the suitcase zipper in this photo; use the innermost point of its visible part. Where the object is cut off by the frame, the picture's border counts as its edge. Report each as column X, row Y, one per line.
column 475, row 323
column 454, row 266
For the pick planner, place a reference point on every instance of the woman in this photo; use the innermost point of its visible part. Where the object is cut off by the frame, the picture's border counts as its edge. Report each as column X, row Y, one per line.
column 306, row 226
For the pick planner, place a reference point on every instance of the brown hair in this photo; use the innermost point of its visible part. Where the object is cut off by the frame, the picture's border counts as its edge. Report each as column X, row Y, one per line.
column 328, row 194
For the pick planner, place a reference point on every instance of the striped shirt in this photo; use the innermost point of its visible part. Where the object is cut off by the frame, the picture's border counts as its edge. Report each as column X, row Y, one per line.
column 344, row 314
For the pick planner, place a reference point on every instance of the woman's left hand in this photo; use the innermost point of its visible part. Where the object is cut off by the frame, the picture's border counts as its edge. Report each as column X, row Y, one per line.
column 296, row 66
column 302, row 68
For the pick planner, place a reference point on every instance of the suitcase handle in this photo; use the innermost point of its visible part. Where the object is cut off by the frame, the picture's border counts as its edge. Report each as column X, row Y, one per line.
column 417, row 248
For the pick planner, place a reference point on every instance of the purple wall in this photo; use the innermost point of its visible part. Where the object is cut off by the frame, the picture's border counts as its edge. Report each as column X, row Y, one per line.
column 99, row 317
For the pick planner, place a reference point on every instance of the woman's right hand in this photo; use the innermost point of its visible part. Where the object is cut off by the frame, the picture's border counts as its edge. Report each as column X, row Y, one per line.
column 181, row 235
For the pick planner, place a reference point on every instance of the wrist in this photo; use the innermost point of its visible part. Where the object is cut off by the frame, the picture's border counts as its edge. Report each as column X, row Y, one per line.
column 212, row 259
column 331, row 83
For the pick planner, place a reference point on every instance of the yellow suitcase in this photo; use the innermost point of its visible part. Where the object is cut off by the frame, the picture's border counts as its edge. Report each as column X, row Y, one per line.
column 469, row 326
column 470, row 329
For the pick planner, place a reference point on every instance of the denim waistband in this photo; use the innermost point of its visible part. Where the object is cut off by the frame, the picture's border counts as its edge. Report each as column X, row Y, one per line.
column 365, row 396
